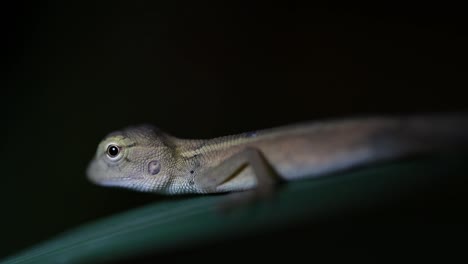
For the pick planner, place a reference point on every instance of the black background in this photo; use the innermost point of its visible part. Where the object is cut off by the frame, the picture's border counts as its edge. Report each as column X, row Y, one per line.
column 73, row 73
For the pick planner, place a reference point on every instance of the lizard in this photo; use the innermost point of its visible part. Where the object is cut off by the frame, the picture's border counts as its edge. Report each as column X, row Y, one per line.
column 147, row 159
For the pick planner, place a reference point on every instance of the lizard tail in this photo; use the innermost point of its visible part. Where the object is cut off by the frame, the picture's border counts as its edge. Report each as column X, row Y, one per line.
column 347, row 144
column 421, row 134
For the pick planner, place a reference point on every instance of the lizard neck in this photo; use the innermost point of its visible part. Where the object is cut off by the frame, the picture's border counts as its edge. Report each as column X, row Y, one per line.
column 187, row 148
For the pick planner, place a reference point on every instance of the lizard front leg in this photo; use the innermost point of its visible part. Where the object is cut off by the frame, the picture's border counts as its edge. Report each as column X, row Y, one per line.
column 266, row 177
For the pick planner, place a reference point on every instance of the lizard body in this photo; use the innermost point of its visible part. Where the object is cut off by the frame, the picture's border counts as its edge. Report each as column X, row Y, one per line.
column 145, row 158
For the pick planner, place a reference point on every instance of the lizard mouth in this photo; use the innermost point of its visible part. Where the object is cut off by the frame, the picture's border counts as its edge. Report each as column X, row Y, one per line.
column 96, row 175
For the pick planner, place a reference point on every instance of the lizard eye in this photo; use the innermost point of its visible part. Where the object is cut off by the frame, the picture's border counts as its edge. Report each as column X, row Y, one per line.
column 113, row 151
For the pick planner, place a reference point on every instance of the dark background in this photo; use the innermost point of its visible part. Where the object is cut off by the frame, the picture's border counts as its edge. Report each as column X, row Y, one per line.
column 73, row 73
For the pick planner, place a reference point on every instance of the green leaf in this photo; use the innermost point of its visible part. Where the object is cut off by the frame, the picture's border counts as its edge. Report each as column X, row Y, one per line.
column 186, row 221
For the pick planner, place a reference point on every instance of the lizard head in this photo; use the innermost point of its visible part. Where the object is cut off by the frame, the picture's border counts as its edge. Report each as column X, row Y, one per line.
column 137, row 158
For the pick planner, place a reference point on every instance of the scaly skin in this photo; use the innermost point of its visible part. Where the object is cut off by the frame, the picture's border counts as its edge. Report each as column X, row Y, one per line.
column 150, row 160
